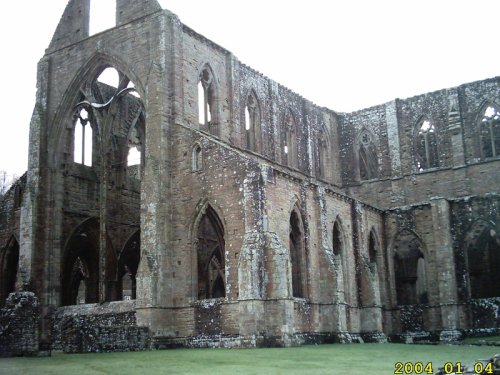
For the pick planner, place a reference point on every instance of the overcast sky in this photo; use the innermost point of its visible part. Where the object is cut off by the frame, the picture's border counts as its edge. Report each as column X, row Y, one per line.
column 345, row 55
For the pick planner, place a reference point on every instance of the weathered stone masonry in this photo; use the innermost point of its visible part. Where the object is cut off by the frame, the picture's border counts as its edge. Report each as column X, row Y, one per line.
column 195, row 202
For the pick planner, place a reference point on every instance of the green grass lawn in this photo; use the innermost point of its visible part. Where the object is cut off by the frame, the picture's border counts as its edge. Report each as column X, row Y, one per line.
column 372, row 359
column 482, row 339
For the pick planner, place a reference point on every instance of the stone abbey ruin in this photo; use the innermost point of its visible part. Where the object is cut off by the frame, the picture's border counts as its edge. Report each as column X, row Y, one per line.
column 198, row 203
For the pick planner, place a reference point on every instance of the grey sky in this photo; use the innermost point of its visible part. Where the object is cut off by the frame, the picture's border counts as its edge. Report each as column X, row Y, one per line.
column 345, row 55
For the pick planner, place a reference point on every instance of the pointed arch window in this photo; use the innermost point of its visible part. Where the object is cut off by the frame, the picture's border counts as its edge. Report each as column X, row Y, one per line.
column 372, row 248
column 323, row 156
column 210, row 257
column 196, row 158
column 297, row 254
column 426, row 146
column 410, row 269
column 338, row 250
column 207, row 100
column 253, row 138
column 367, row 157
column 289, row 140
column 83, row 138
column 490, row 132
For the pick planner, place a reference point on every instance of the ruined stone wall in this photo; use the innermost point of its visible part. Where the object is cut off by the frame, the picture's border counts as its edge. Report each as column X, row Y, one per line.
column 348, row 274
column 98, row 328
column 19, row 325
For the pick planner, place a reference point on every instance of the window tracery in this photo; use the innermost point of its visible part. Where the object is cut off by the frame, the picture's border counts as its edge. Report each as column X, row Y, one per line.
column 252, row 123
column 490, row 132
column 83, row 138
column 426, row 146
column 367, row 157
column 289, row 140
column 207, row 100
column 323, row 156
column 196, row 158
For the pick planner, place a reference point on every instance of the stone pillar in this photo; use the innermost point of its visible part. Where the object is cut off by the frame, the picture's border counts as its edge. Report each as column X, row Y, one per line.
column 446, row 274
column 455, row 129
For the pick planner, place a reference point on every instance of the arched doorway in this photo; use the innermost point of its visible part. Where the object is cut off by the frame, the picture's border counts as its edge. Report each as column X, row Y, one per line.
column 80, row 268
column 127, row 267
column 9, row 263
column 210, row 256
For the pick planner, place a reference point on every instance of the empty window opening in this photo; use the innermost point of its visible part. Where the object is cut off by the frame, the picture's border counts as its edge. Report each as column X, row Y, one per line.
column 252, row 123
column 197, row 164
column 131, row 85
column 9, row 262
column 490, row 132
column 127, row 267
column 289, row 141
column 247, row 119
column 127, row 286
column 134, row 156
column 410, row 270
column 80, row 298
column 110, row 77
column 426, row 146
column 372, row 248
column 206, row 100
column 102, row 15
column 80, row 274
column 367, row 157
column 83, row 139
column 483, row 261
column 210, row 257
column 297, row 254
column 79, row 279
column 336, row 240
column 322, row 163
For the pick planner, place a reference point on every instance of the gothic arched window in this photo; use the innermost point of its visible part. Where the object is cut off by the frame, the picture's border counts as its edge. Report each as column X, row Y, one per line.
column 372, row 248
column 289, row 140
column 297, row 254
column 82, row 141
column 210, row 255
column 207, row 111
column 338, row 250
column 253, row 137
column 323, row 156
column 196, row 158
column 367, row 157
column 426, row 146
column 490, row 132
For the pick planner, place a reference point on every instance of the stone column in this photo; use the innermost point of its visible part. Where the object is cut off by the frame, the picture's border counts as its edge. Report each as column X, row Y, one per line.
column 446, row 274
